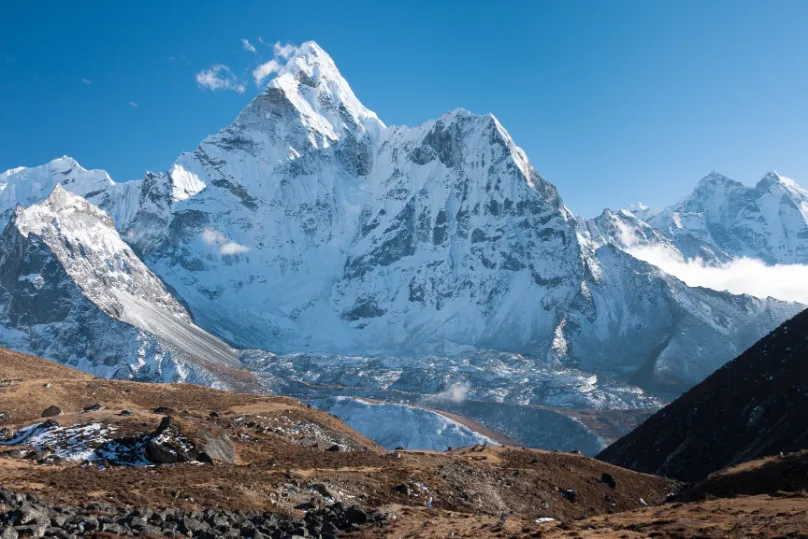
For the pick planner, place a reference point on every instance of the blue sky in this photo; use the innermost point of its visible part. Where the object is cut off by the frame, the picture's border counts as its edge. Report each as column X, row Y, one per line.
column 614, row 102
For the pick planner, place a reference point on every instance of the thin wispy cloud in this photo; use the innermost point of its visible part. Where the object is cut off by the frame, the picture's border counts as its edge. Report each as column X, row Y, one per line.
column 85, row 80
column 179, row 59
column 133, row 104
column 284, row 51
column 741, row 276
column 219, row 77
column 281, row 52
column 264, row 70
column 247, row 45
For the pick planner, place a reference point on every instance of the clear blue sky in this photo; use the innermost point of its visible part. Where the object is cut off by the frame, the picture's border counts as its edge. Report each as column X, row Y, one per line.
column 614, row 102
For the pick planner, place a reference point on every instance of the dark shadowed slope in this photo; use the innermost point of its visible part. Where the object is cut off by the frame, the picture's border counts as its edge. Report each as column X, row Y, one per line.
column 752, row 407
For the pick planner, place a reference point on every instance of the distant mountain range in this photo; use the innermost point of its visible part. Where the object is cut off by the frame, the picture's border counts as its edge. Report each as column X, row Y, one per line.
column 721, row 220
column 307, row 226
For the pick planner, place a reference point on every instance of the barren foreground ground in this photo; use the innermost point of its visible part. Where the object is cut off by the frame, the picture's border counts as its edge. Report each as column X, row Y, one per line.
column 247, row 452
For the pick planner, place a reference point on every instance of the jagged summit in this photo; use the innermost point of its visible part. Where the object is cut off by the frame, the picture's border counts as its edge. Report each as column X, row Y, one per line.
column 773, row 181
column 26, row 186
column 308, row 87
column 722, row 219
column 715, row 178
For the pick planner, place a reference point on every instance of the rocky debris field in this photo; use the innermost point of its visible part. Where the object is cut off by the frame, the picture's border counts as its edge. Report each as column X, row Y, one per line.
column 28, row 516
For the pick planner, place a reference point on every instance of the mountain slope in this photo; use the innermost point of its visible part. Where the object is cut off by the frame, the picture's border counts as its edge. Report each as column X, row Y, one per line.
column 750, row 408
column 725, row 218
column 308, row 225
column 73, row 291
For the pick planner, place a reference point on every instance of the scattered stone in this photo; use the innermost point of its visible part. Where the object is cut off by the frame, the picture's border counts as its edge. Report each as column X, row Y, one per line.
column 164, row 410
column 92, row 408
column 334, row 448
column 569, row 494
column 608, row 480
column 35, row 518
column 125, row 412
column 356, row 515
column 403, row 489
column 323, row 490
column 51, row 411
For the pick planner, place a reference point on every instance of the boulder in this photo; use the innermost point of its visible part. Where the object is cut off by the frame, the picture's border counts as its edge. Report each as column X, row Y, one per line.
column 51, row 411
column 218, row 448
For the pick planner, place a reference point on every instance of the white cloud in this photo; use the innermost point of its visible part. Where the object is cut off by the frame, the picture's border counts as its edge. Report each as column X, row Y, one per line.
column 247, row 45
column 741, row 276
column 281, row 54
column 133, row 104
column 284, row 51
column 225, row 247
column 264, row 70
column 455, row 393
column 212, row 237
column 219, row 77
column 233, row 248
column 85, row 80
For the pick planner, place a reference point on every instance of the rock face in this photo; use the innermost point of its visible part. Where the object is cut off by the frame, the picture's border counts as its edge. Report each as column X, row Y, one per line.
column 750, row 408
column 72, row 290
column 308, row 225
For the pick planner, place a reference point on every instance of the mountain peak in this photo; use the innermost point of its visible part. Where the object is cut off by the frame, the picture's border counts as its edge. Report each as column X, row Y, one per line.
column 311, row 81
column 774, row 181
column 64, row 163
column 714, row 178
column 60, row 199
column 60, row 206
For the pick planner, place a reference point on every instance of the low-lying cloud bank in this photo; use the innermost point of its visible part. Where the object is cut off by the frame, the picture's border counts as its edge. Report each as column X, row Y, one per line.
column 787, row 282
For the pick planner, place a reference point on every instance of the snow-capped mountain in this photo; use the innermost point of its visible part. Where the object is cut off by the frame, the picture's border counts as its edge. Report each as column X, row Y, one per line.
column 309, row 226
column 23, row 186
column 723, row 219
column 73, row 291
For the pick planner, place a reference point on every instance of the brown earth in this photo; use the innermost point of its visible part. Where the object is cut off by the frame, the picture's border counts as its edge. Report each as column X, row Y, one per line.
column 283, row 463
